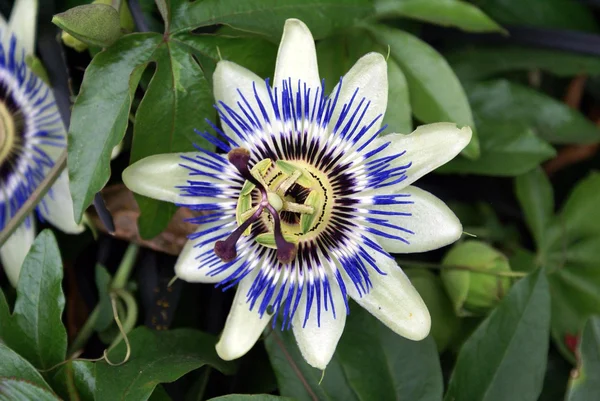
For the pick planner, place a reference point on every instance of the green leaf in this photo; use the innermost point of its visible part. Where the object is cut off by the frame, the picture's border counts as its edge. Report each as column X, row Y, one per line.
column 93, row 24
column 101, row 113
column 176, row 102
column 267, row 17
column 17, row 389
column 571, row 252
column 338, row 53
column 75, row 380
column 371, row 362
column 552, row 120
column 546, row 13
column 455, row 13
column 255, row 397
column 505, row 358
column 477, row 63
column 156, row 357
column 507, row 149
column 580, row 214
column 256, row 54
column 435, row 92
column 14, row 365
column 159, row 394
column 535, row 195
column 586, row 385
column 398, row 114
column 522, row 260
column 36, row 330
column 5, row 322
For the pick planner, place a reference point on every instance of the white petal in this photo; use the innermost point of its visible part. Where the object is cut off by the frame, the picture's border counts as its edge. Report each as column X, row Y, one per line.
column 369, row 76
column 197, row 260
column 57, row 206
column 157, row 177
column 394, row 300
column 316, row 342
column 297, row 56
column 161, row 176
column 23, row 21
column 243, row 326
column 431, row 224
column 227, row 80
column 15, row 249
column 427, row 148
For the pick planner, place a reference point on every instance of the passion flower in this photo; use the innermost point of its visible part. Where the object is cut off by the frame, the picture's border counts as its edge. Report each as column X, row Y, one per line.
column 303, row 201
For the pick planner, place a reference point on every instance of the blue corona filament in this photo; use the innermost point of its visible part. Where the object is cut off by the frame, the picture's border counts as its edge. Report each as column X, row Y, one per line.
column 39, row 132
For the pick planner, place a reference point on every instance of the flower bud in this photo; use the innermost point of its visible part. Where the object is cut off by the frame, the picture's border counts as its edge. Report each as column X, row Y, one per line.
column 472, row 292
column 71, row 20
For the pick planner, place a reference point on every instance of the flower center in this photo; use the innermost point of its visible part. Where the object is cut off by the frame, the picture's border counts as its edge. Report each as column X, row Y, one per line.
column 305, row 194
column 7, row 133
column 290, row 198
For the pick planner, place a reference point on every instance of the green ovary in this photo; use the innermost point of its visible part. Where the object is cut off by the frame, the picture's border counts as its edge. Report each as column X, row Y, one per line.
column 294, row 189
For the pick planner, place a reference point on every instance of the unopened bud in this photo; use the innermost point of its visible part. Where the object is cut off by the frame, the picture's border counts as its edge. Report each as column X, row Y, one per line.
column 474, row 279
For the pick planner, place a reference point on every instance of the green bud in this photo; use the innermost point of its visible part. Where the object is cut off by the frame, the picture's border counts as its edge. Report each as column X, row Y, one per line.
column 72, row 42
column 125, row 18
column 93, row 24
column 474, row 293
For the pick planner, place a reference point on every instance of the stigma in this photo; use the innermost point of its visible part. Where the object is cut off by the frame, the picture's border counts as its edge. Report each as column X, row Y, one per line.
column 269, row 201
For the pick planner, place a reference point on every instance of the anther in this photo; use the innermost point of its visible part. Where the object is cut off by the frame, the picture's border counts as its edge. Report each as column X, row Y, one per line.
column 226, row 249
column 240, row 157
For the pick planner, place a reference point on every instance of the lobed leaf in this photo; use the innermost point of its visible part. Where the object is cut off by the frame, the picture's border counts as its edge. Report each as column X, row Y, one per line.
column 267, row 17
column 101, row 114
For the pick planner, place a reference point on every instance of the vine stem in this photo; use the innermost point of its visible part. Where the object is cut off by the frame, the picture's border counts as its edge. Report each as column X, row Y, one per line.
column 117, row 287
column 35, row 198
column 428, row 265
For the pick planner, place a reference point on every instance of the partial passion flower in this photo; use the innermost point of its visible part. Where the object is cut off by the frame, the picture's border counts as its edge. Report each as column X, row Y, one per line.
column 303, row 201
column 32, row 137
